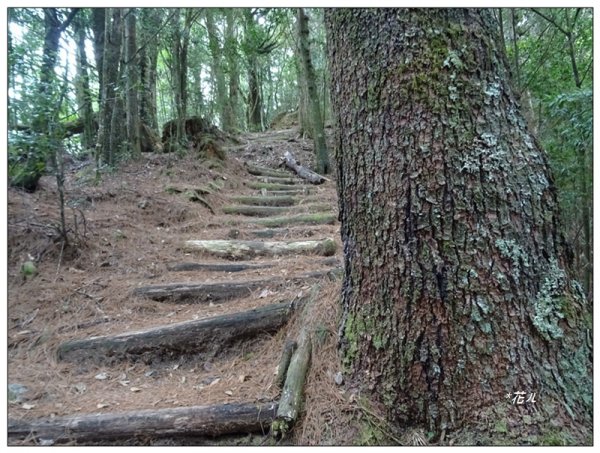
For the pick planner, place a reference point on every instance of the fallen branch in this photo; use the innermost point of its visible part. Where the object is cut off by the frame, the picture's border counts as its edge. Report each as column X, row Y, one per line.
column 235, row 249
column 210, row 292
column 211, row 421
column 290, row 402
column 183, row 337
column 303, row 172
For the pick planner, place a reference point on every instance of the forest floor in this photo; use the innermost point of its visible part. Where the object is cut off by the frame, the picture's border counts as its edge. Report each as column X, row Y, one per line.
column 127, row 232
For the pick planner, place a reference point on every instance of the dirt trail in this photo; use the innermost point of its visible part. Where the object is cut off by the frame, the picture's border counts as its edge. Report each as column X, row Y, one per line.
column 129, row 232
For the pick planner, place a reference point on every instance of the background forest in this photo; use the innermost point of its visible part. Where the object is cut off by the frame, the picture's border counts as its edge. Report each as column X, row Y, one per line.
column 133, row 132
column 84, row 74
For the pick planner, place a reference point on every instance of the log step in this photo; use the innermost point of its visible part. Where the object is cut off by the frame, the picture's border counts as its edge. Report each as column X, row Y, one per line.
column 286, row 192
column 275, row 180
column 200, row 292
column 262, row 171
column 215, row 267
column 210, row 421
column 266, row 201
column 311, row 219
column 269, row 185
column 179, row 338
column 255, row 211
column 236, row 249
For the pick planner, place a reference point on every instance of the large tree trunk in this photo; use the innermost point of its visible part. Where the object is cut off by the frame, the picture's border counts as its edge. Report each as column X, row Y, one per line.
column 131, row 61
column 455, row 292
column 316, row 119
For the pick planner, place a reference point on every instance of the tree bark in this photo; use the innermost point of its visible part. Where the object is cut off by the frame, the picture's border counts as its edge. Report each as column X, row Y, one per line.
column 316, row 119
column 456, row 291
column 184, row 337
column 234, row 249
column 210, row 421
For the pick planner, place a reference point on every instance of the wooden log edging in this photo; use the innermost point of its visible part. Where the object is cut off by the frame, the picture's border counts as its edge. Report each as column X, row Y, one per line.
column 210, row 421
column 284, row 362
column 303, row 172
column 237, row 249
column 290, row 402
column 188, row 336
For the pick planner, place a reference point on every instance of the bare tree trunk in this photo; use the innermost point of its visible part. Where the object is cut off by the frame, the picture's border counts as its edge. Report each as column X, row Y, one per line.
column 231, row 122
column 218, row 77
column 98, row 29
column 456, row 293
column 110, row 80
column 82, row 87
column 132, row 70
column 316, row 120
column 149, row 22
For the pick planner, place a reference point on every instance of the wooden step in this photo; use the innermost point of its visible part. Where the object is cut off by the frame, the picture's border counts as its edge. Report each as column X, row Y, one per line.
column 237, row 249
column 255, row 211
column 263, row 171
column 202, row 292
column 276, row 200
column 180, row 338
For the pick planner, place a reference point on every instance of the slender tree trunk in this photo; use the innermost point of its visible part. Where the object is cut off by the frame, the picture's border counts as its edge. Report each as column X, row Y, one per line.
column 132, row 71
column 82, row 88
column 316, row 120
column 456, row 293
column 231, row 112
column 110, row 77
column 303, row 122
column 98, row 29
column 149, row 21
column 218, row 77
